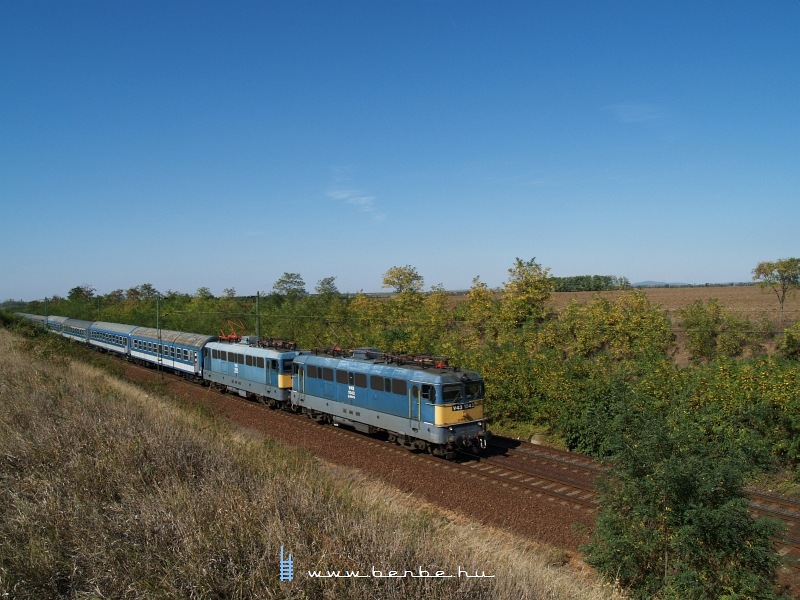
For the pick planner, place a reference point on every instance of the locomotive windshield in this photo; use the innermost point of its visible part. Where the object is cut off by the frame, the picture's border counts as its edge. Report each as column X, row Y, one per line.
column 452, row 393
column 472, row 390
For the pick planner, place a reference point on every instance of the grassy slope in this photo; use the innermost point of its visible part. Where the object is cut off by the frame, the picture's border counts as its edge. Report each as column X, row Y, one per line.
column 107, row 491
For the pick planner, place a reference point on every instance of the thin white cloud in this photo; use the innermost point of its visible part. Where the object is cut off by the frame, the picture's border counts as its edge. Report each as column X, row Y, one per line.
column 632, row 112
column 363, row 202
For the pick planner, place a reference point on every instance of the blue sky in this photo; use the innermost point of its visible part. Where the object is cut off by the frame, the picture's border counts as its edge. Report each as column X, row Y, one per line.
column 221, row 144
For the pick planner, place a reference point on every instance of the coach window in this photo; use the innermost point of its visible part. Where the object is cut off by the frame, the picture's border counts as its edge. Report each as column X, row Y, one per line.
column 185, row 354
column 327, row 373
column 361, row 380
column 376, row 383
column 260, row 362
column 312, row 371
column 341, row 376
column 248, row 360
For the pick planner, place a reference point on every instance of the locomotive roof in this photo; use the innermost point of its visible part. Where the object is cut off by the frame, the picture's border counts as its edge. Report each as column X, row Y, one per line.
column 251, row 350
column 173, row 337
column 387, row 369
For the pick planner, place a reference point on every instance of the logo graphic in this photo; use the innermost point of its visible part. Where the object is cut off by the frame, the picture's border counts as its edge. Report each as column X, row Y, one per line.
column 287, row 567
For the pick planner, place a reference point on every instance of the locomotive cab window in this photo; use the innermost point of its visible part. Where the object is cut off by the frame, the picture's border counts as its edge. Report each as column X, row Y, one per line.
column 452, row 393
column 428, row 393
column 473, row 390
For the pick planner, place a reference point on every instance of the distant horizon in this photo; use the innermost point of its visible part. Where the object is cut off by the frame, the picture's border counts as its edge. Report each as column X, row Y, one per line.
column 383, row 291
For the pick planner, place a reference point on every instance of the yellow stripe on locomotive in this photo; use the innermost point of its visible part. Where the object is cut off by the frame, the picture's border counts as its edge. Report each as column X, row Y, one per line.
column 285, row 380
column 458, row 412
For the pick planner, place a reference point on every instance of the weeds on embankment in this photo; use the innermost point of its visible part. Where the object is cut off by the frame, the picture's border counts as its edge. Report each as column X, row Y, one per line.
column 107, row 491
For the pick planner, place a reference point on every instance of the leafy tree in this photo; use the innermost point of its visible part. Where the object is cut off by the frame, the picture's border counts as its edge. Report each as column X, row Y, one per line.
column 204, row 293
column 675, row 520
column 480, row 313
column 790, row 345
column 630, row 326
column 291, row 286
column 115, row 296
column 81, row 293
column 714, row 331
column 403, row 280
column 149, row 292
column 432, row 323
column 526, row 293
column 327, row 287
column 782, row 276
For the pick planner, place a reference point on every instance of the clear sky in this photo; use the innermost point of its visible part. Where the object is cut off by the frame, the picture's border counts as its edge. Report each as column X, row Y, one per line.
column 221, row 144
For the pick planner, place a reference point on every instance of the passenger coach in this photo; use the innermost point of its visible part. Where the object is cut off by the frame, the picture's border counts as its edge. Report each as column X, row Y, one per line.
column 112, row 337
column 176, row 350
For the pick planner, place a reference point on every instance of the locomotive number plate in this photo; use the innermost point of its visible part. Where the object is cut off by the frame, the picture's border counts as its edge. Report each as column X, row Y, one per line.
column 465, row 406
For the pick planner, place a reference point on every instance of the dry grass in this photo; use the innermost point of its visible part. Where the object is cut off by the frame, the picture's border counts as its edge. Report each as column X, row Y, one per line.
column 107, row 491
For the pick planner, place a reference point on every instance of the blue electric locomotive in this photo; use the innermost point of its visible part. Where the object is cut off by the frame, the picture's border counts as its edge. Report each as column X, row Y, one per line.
column 253, row 371
column 421, row 403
